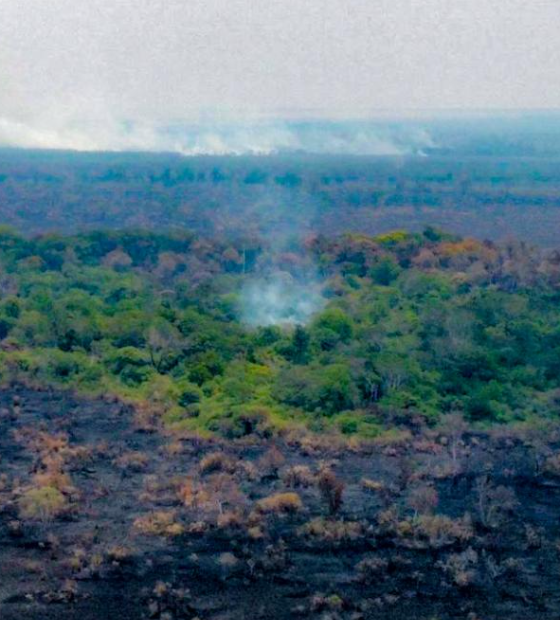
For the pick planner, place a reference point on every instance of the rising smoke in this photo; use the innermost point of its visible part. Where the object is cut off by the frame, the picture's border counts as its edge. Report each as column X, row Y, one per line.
column 281, row 299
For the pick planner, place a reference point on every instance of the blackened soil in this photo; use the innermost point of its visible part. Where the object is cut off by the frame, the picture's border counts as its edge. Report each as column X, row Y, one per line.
column 430, row 528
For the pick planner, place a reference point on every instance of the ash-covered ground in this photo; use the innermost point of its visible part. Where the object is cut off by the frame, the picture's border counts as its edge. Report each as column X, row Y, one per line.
column 104, row 515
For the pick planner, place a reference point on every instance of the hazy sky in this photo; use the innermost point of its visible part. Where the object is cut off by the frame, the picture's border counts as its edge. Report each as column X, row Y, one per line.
column 163, row 59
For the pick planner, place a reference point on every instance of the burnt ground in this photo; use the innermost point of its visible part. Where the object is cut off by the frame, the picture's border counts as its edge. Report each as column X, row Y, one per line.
column 148, row 525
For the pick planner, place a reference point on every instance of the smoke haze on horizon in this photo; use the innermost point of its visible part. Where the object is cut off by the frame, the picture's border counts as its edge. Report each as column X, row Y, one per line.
column 235, row 138
column 105, row 75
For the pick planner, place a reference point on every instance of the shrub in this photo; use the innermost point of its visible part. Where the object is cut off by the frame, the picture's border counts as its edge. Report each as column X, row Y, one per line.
column 298, row 476
column 461, row 567
column 331, row 489
column 194, row 495
column 494, row 504
column 271, row 461
column 371, row 569
column 327, row 389
column 52, row 476
column 287, row 503
column 134, row 461
column 372, row 485
column 422, row 499
column 332, row 531
column 42, row 504
column 131, row 364
column 216, row 461
column 159, row 523
column 441, row 531
column 190, row 395
column 231, row 520
column 552, row 465
column 332, row 603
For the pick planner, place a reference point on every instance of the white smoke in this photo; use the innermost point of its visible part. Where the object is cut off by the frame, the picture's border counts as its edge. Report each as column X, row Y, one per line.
column 215, row 138
column 281, row 300
column 91, row 136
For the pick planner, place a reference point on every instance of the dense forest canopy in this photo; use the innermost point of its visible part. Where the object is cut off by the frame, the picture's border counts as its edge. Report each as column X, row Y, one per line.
column 411, row 327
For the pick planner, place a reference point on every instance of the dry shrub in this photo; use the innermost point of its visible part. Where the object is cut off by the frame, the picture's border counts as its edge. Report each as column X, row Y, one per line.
column 331, row 489
column 119, row 554
column 227, row 560
column 394, row 442
column 255, row 532
column 81, row 560
column 298, row 476
column 552, row 465
column 159, row 485
column 66, row 593
column 231, row 520
column 332, row 603
column 279, row 503
column 441, row 531
column 50, row 474
column 315, row 445
column 461, row 567
column 132, row 461
column 494, row 504
column 332, row 531
column 146, row 417
column 388, row 520
column 371, row 569
column 372, row 485
column 174, row 448
column 533, row 537
column 55, row 479
column 213, row 495
column 275, row 558
column 159, row 523
column 427, row 446
column 167, row 602
column 35, row 566
column 194, row 495
column 216, row 461
column 54, row 446
column 5, row 483
column 422, row 499
column 271, row 461
column 45, row 443
column 42, row 504
column 198, row 528
column 248, row 470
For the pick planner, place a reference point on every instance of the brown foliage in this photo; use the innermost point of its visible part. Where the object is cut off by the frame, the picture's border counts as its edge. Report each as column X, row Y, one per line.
column 132, row 461
column 286, row 503
column 216, row 461
column 332, row 531
column 159, row 523
column 298, row 476
column 331, row 489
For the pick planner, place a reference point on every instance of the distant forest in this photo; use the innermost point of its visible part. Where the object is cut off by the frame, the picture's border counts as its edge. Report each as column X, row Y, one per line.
column 494, row 196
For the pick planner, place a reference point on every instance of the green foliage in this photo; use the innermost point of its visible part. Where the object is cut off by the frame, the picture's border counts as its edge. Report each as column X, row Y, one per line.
column 385, row 271
column 415, row 326
column 331, row 327
column 324, row 389
column 42, row 504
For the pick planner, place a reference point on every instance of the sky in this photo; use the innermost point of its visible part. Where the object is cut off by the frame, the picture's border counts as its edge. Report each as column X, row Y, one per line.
column 65, row 64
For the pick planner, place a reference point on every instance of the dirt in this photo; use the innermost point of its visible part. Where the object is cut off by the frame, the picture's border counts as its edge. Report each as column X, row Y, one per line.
column 93, row 561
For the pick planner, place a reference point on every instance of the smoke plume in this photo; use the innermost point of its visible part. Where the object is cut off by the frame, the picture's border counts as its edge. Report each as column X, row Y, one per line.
column 281, row 299
column 255, row 137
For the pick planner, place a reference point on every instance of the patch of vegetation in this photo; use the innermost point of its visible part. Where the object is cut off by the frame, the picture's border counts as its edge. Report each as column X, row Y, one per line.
column 415, row 326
